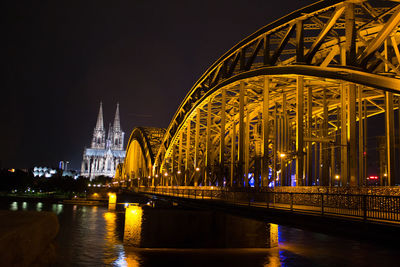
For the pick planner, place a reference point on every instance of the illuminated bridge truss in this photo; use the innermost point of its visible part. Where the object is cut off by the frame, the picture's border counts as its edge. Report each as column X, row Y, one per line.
column 291, row 103
column 140, row 151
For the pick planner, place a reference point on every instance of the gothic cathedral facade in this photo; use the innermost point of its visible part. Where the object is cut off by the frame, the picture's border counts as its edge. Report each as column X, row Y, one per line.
column 104, row 155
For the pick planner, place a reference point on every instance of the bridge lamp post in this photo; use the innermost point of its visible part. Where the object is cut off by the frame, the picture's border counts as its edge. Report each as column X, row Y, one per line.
column 197, row 175
column 166, row 175
column 337, row 178
column 155, row 179
column 179, row 176
column 282, row 155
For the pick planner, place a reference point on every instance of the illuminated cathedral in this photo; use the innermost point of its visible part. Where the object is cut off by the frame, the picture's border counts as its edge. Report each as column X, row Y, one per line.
column 104, row 155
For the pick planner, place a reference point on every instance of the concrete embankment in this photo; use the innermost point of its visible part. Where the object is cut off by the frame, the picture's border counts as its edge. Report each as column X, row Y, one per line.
column 27, row 238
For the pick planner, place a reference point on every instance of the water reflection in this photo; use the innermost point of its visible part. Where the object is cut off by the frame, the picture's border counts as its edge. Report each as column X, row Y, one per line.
column 92, row 236
column 179, row 228
column 133, row 225
column 57, row 208
column 39, row 206
column 14, row 206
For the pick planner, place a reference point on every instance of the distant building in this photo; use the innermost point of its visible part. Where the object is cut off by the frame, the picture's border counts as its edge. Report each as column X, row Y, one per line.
column 43, row 172
column 104, row 155
column 71, row 173
column 63, row 165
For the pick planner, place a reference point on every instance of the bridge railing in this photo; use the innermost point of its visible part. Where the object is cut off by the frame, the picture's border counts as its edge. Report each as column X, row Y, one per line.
column 366, row 207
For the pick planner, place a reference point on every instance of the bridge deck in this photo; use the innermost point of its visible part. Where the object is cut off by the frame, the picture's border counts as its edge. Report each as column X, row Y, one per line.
column 378, row 209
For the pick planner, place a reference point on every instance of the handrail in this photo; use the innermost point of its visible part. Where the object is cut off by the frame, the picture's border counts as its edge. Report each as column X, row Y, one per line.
column 350, row 206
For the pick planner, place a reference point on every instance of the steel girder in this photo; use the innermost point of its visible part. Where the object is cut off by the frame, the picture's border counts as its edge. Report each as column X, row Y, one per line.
column 347, row 54
column 241, row 103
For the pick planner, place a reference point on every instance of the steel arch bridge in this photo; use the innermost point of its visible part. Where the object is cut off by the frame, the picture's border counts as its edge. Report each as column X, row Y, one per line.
column 288, row 105
column 143, row 143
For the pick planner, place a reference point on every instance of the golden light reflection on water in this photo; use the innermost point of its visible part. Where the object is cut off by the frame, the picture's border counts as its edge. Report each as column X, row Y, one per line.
column 273, row 235
column 110, row 218
column 112, row 242
column 133, row 225
column 112, row 201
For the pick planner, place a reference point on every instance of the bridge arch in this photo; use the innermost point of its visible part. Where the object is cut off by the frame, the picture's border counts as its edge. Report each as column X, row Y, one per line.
column 142, row 146
column 290, row 104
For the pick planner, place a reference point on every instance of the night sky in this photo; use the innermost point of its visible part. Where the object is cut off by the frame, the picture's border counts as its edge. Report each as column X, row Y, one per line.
column 62, row 58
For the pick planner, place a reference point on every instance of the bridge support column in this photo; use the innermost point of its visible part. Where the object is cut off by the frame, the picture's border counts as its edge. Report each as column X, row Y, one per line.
column 241, row 133
column 366, row 141
column 390, row 141
column 275, row 145
column 325, row 151
column 265, row 115
column 208, row 146
column 283, row 138
column 352, row 133
column 309, row 174
column 246, row 143
column 233, row 150
column 343, row 137
column 299, row 131
column 221, row 161
column 179, row 165
column 196, row 148
column 361, row 179
column 173, row 167
column 187, row 154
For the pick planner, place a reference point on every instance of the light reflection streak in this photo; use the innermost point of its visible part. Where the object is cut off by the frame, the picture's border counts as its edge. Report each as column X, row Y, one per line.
column 14, row 206
column 24, row 205
column 133, row 225
column 113, row 243
column 39, row 206
column 57, row 208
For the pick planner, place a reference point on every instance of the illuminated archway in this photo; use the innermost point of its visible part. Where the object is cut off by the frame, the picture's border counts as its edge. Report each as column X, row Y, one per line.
column 139, row 158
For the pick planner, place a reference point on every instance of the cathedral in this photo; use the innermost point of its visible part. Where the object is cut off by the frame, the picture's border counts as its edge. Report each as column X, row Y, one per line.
column 104, row 155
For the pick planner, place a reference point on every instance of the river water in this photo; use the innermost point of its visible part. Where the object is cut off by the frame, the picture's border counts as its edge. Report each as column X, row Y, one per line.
column 95, row 236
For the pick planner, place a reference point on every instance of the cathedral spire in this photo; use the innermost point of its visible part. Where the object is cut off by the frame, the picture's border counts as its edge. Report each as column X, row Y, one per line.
column 117, row 124
column 99, row 140
column 100, row 124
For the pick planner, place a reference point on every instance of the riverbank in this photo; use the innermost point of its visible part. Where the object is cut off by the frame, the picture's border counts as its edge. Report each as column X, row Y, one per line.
column 27, row 238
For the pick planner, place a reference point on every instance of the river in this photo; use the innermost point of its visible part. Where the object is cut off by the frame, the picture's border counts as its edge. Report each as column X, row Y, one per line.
column 95, row 236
